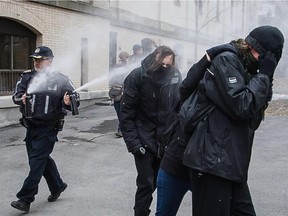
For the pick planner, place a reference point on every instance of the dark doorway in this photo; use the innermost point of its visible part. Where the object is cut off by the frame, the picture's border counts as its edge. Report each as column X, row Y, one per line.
column 84, row 61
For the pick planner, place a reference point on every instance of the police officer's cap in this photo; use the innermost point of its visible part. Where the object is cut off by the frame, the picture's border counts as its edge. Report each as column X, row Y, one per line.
column 42, row 52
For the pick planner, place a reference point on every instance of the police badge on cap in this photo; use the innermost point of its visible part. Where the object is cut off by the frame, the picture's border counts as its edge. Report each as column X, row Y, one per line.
column 42, row 52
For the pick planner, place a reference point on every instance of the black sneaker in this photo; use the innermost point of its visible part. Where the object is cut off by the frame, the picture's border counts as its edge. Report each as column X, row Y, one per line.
column 21, row 205
column 53, row 197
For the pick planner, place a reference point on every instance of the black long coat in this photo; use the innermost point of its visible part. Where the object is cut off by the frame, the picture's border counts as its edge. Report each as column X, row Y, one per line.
column 221, row 144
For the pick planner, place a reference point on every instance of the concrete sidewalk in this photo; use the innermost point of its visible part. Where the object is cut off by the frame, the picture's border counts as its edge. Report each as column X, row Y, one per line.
column 101, row 173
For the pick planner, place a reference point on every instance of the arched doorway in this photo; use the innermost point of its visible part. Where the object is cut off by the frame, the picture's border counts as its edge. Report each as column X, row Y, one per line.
column 17, row 42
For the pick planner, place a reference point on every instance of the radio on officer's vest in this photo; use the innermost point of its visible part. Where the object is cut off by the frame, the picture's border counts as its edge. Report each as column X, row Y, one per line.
column 28, row 107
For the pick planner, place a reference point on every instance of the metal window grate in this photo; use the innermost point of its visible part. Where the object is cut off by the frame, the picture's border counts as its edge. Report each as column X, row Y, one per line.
column 8, row 80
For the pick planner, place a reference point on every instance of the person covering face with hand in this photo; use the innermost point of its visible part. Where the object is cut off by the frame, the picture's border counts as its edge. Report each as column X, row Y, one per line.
column 42, row 95
column 173, row 177
column 149, row 94
column 218, row 152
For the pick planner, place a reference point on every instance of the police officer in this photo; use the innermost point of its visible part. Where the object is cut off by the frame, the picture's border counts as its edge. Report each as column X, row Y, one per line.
column 44, row 94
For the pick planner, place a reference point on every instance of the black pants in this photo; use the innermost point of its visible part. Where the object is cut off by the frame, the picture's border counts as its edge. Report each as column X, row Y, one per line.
column 117, row 109
column 213, row 195
column 40, row 141
column 147, row 167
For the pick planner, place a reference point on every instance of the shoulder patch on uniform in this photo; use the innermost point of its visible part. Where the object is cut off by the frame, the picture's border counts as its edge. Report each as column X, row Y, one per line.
column 27, row 71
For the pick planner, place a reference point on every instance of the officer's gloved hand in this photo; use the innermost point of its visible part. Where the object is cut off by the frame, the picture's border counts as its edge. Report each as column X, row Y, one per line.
column 139, row 151
column 267, row 64
column 214, row 51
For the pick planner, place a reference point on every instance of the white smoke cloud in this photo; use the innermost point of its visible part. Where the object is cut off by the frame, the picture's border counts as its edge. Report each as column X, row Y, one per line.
column 41, row 80
column 117, row 75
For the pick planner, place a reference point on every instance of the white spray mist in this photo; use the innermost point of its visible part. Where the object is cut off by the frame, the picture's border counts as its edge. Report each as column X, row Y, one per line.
column 117, row 75
column 39, row 82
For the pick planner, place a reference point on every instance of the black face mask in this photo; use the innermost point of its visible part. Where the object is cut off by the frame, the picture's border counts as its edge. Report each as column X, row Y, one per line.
column 165, row 69
column 251, row 63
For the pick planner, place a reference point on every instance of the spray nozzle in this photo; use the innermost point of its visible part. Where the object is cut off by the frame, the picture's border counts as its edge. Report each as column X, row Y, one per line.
column 74, row 97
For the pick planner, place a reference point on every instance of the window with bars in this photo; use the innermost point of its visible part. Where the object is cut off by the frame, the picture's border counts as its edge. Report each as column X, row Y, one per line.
column 16, row 44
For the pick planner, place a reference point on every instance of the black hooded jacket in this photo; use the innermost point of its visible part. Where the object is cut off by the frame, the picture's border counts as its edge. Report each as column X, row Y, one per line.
column 147, row 100
column 222, row 143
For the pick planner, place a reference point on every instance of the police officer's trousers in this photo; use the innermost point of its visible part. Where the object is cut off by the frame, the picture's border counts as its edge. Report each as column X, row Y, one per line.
column 40, row 140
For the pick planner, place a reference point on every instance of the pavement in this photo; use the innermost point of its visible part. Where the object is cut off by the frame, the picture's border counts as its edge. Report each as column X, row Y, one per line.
column 101, row 174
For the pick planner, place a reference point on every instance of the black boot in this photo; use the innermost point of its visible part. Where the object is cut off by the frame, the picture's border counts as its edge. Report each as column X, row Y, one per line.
column 21, row 205
column 54, row 196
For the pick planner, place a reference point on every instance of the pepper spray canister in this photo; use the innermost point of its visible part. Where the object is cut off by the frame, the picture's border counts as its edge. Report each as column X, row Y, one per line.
column 74, row 97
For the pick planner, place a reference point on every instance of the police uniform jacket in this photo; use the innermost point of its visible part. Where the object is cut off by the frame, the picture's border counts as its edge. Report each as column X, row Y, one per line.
column 147, row 100
column 221, row 144
column 46, row 93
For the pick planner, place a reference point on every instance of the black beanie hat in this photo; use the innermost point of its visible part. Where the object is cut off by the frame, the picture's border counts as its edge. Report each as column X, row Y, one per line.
column 266, row 38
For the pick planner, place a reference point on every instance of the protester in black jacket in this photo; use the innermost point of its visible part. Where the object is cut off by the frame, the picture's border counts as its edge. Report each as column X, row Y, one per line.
column 149, row 94
column 116, row 85
column 173, row 177
column 219, row 150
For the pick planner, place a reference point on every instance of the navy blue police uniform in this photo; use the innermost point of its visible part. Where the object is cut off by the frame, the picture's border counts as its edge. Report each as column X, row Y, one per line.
column 47, row 110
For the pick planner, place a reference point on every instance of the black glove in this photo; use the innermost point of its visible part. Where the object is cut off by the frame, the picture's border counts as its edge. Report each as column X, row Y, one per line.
column 139, row 151
column 267, row 64
column 214, row 51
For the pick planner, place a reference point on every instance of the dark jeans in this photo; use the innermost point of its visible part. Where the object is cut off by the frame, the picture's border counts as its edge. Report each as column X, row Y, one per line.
column 40, row 141
column 117, row 109
column 213, row 195
column 170, row 192
column 147, row 168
